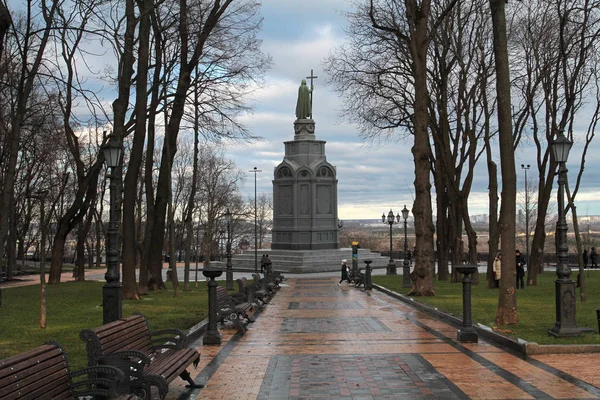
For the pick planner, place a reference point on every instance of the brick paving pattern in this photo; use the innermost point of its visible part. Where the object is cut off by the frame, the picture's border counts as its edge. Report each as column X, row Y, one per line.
column 316, row 340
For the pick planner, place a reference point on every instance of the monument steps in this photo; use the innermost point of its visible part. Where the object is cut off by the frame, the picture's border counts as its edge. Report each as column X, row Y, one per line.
column 307, row 261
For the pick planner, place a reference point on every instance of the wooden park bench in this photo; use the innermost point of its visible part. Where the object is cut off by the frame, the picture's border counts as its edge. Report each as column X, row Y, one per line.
column 247, row 292
column 43, row 373
column 359, row 279
column 274, row 276
column 266, row 284
column 229, row 310
column 147, row 358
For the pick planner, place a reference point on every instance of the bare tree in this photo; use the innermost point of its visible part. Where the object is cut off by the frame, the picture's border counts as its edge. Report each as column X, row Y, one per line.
column 553, row 81
column 32, row 46
column 507, row 302
column 382, row 75
column 219, row 24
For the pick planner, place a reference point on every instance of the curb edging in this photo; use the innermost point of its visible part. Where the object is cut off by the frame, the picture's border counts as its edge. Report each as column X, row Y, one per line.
column 521, row 346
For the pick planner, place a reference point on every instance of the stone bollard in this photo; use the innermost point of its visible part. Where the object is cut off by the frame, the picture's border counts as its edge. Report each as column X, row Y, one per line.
column 467, row 334
column 212, row 336
column 368, row 283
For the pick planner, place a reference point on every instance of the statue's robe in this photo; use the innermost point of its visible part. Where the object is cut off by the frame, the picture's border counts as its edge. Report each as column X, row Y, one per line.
column 303, row 106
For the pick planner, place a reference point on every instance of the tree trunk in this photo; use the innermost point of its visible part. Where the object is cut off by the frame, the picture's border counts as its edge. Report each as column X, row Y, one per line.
column 5, row 22
column 120, row 108
column 442, row 222
column 507, row 302
column 422, row 210
column 536, row 265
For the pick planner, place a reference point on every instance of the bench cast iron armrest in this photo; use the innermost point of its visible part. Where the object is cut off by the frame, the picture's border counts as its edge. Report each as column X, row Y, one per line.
column 101, row 381
column 135, row 380
column 175, row 340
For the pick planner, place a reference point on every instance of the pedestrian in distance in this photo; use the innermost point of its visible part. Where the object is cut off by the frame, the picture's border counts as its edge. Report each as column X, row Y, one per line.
column 262, row 264
column 267, row 264
column 584, row 255
column 593, row 258
column 344, row 273
column 520, row 269
column 497, row 269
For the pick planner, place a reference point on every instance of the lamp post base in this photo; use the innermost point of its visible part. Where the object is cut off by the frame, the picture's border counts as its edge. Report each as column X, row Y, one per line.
column 112, row 301
column 406, row 275
column 560, row 332
column 565, row 325
column 467, row 335
column 229, row 278
column 212, row 336
column 391, row 268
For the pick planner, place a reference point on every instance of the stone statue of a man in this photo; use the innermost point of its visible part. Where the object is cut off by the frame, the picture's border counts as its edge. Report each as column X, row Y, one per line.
column 304, row 104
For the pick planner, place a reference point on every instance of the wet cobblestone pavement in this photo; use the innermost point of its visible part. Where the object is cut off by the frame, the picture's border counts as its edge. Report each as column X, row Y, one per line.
column 316, row 340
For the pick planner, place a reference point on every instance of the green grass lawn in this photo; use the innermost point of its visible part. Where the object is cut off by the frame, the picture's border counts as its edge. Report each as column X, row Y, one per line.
column 72, row 306
column 535, row 306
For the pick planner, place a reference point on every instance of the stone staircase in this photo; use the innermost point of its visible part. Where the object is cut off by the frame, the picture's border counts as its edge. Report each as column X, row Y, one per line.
column 305, row 261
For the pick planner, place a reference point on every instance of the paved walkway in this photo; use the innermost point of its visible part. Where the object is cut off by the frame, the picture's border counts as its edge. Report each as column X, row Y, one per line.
column 318, row 340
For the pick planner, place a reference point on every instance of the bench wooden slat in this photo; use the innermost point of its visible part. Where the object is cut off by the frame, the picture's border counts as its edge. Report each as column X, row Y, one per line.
column 43, row 374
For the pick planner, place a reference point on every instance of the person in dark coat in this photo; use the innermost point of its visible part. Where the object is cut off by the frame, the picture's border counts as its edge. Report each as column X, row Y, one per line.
column 584, row 255
column 344, row 272
column 593, row 258
column 262, row 264
column 520, row 269
column 267, row 264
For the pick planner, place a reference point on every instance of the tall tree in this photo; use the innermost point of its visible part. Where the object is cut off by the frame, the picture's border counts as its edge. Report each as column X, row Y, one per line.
column 507, row 302
column 213, row 20
column 382, row 75
column 32, row 47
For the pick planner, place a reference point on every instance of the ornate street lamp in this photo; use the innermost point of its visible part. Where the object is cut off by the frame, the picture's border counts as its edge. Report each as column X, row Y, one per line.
column 391, row 267
column 111, row 292
column 405, row 266
column 526, row 167
column 229, row 269
column 565, row 295
column 255, row 223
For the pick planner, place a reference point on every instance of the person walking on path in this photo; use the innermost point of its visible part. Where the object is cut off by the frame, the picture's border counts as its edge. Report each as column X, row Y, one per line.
column 262, row 264
column 520, row 269
column 267, row 264
column 344, row 273
column 593, row 258
column 497, row 269
column 584, row 255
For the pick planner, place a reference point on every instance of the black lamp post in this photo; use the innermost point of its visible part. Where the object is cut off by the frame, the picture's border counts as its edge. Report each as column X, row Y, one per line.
column 221, row 239
column 111, row 292
column 255, row 223
column 565, row 295
column 405, row 266
column 391, row 268
column 229, row 268
column 526, row 167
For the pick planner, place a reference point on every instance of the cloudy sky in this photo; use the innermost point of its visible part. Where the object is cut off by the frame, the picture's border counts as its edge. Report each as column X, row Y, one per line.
column 372, row 177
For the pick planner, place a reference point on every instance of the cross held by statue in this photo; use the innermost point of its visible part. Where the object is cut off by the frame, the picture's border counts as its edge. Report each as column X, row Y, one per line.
column 311, row 77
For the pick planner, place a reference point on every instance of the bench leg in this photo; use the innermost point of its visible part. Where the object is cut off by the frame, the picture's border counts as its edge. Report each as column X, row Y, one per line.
column 185, row 375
